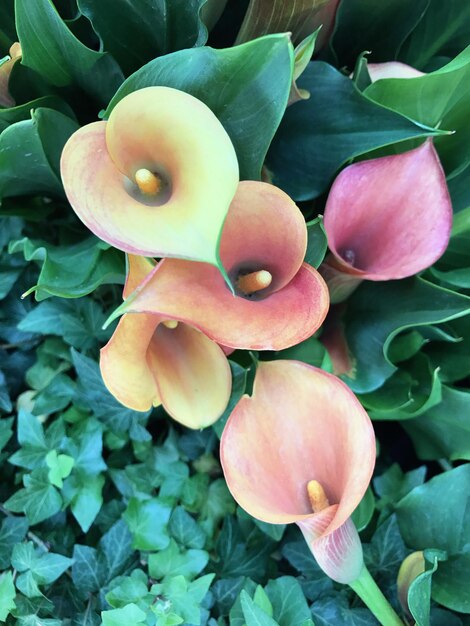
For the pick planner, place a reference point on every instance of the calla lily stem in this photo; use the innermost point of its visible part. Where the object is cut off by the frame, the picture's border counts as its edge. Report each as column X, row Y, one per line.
column 367, row 589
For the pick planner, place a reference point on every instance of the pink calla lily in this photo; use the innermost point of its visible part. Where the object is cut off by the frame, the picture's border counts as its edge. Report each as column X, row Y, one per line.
column 302, row 449
column 386, row 219
column 152, row 360
column 279, row 300
column 157, row 178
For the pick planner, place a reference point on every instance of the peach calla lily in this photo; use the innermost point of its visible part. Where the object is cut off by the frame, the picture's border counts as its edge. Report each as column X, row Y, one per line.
column 6, row 99
column 157, row 178
column 152, row 360
column 386, row 218
column 302, row 449
column 279, row 300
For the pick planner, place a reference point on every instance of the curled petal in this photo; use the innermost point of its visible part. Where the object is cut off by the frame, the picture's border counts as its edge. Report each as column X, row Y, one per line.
column 192, row 373
column 123, row 363
column 263, row 220
column 300, row 424
column 6, row 99
column 173, row 135
column 392, row 69
column 338, row 553
column 198, row 295
column 390, row 217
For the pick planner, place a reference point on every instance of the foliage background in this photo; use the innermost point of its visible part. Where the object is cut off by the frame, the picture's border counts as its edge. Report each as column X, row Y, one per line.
column 116, row 517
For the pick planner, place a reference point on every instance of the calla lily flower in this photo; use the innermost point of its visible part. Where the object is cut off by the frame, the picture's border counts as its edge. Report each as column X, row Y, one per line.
column 302, row 449
column 278, row 302
column 157, row 178
column 153, row 359
column 6, row 99
column 386, row 219
column 392, row 69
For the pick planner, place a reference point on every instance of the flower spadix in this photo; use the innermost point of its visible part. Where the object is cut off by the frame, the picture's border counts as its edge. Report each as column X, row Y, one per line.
column 152, row 360
column 385, row 219
column 157, row 178
column 302, row 449
column 278, row 300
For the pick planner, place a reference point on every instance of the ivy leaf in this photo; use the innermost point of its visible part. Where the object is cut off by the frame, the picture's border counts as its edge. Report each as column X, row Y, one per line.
column 84, row 494
column 12, row 531
column 36, row 568
column 6, row 430
column 172, row 562
column 7, row 595
column 147, row 521
column 246, row 87
column 60, row 466
column 130, row 614
column 289, row 605
column 253, row 614
column 184, row 528
column 38, row 500
column 185, row 596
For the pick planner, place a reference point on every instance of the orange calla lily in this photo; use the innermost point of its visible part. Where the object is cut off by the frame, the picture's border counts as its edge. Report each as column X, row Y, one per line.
column 157, row 178
column 386, row 218
column 152, row 360
column 279, row 300
column 6, row 99
column 302, row 449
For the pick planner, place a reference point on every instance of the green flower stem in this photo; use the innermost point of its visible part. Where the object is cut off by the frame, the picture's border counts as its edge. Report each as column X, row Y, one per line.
column 366, row 588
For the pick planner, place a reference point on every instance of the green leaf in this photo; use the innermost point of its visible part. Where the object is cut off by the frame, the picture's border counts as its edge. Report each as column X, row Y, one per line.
column 7, row 595
column 185, row 597
column 336, row 124
column 73, row 270
column 444, row 30
column 23, row 111
column 239, row 377
column 184, row 528
column 173, row 562
column 253, row 614
column 60, row 466
column 147, row 521
column 89, row 571
column 290, row 607
column 25, row 167
column 130, row 614
column 134, row 33
column 125, row 590
column 384, row 554
column 394, row 484
column 373, row 320
column 85, row 496
column 419, row 592
column 436, row 515
column 379, row 27
column 317, row 243
column 444, row 430
column 247, row 88
column 12, row 531
column 442, row 97
column 38, row 500
column 364, row 512
column 65, row 60
column 37, row 569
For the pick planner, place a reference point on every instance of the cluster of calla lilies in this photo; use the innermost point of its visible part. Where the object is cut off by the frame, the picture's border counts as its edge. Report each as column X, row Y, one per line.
column 160, row 180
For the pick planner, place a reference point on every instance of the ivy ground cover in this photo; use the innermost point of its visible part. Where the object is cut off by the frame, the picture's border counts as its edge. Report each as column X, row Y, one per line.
column 234, row 313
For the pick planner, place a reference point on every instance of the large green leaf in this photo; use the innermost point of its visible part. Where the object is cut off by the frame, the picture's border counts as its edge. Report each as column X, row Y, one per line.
column 377, row 312
column 442, row 97
column 453, row 267
column 64, row 60
column 443, row 432
column 23, row 111
column 444, row 31
column 380, row 27
column 247, row 87
column 437, row 515
column 337, row 123
column 7, row 26
column 136, row 32
column 30, row 153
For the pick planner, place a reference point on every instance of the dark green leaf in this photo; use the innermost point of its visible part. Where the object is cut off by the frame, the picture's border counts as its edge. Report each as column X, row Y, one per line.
column 437, row 515
column 289, row 605
column 239, row 376
column 64, row 60
column 253, row 614
column 137, row 32
column 247, row 88
column 317, row 243
column 38, row 500
column 337, row 123
column 184, row 528
column 363, row 514
column 12, row 531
